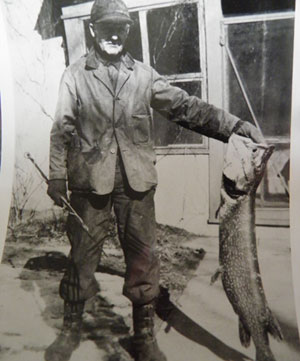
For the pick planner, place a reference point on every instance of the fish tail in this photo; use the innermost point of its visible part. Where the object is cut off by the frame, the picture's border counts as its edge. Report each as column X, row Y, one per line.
column 264, row 355
column 263, row 352
column 273, row 327
column 245, row 336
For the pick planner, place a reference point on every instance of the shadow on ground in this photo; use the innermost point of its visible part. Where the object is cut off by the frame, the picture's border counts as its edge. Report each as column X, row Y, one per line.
column 290, row 333
column 102, row 325
column 184, row 325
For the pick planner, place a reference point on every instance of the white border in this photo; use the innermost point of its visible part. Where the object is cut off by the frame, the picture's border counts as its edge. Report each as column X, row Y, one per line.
column 8, row 133
column 295, row 168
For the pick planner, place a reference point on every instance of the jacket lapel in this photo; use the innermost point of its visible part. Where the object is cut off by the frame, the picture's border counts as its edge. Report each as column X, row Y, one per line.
column 125, row 71
column 124, row 75
column 101, row 74
column 98, row 69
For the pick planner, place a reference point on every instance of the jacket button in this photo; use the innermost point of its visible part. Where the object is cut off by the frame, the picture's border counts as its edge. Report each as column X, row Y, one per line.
column 113, row 151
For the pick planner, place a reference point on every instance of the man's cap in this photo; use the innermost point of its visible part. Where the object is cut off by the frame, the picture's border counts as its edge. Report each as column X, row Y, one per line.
column 110, row 11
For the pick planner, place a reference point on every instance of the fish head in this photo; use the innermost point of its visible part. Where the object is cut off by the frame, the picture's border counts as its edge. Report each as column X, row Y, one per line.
column 245, row 163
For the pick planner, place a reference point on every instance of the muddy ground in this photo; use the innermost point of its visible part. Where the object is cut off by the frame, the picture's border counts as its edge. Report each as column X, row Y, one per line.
column 36, row 253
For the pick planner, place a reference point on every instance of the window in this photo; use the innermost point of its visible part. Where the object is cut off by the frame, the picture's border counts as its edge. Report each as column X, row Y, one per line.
column 262, row 52
column 173, row 52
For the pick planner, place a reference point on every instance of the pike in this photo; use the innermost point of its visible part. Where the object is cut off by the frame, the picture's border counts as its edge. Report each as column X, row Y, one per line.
column 245, row 163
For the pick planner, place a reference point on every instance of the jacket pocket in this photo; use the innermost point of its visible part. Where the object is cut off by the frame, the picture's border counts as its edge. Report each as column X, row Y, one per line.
column 78, row 172
column 75, row 142
column 141, row 128
column 80, row 164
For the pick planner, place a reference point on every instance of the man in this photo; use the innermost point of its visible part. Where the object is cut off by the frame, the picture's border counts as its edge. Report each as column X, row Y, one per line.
column 102, row 144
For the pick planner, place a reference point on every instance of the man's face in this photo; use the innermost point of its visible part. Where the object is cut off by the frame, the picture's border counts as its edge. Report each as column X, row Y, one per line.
column 110, row 37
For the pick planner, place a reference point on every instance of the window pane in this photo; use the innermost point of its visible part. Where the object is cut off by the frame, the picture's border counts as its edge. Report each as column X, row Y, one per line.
column 271, row 191
column 168, row 133
column 174, row 39
column 87, row 33
column 263, row 53
column 134, row 42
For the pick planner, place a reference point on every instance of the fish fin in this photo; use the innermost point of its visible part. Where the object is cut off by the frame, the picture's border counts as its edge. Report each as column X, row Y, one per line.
column 219, row 208
column 273, row 327
column 245, row 336
column 216, row 275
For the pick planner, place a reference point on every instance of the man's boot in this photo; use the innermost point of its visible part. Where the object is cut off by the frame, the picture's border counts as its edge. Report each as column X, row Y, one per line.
column 69, row 338
column 145, row 347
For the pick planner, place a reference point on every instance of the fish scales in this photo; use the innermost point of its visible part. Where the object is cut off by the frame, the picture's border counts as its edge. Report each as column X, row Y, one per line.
column 245, row 163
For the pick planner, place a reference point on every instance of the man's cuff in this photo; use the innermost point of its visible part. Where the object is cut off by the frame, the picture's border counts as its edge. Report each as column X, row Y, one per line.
column 58, row 175
column 237, row 126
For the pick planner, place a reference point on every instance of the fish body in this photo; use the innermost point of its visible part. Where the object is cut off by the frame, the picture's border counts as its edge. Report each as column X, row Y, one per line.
column 245, row 164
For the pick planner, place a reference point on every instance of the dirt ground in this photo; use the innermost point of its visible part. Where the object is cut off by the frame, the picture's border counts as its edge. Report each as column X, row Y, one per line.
column 199, row 323
column 33, row 262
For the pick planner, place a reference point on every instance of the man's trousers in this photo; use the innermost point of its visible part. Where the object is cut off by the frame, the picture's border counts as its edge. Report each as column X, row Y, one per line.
column 135, row 217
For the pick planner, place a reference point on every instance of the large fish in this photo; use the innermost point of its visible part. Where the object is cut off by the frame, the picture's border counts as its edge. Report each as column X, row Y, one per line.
column 244, row 167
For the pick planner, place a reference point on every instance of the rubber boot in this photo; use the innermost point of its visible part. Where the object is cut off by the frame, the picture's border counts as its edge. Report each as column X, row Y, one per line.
column 145, row 347
column 69, row 338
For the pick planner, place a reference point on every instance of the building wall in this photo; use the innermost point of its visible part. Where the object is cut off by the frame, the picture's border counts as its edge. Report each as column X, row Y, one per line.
column 182, row 197
column 37, row 66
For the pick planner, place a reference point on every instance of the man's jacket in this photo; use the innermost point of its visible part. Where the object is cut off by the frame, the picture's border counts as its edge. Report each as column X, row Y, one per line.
column 93, row 121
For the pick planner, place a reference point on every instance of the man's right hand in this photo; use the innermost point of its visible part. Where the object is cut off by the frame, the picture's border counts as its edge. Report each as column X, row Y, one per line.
column 248, row 130
column 57, row 188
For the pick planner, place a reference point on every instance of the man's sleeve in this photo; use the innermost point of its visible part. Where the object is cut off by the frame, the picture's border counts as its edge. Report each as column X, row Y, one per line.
column 63, row 127
column 189, row 111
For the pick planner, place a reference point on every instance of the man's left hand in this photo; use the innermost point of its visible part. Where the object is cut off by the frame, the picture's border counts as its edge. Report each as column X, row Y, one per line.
column 248, row 130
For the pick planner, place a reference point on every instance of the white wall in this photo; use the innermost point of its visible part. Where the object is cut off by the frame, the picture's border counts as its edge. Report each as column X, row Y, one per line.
column 36, row 66
column 182, row 197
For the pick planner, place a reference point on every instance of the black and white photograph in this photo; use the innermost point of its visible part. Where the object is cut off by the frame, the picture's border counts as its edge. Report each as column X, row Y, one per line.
column 147, row 216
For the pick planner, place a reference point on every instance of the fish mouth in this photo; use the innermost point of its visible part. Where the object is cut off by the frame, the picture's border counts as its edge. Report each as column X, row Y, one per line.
column 267, row 152
column 231, row 188
column 244, row 165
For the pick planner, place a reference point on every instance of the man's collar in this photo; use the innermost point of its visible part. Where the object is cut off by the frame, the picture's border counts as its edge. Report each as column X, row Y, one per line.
column 128, row 61
column 93, row 60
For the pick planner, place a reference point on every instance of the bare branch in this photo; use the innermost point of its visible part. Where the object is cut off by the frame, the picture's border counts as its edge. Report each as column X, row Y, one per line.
column 35, row 100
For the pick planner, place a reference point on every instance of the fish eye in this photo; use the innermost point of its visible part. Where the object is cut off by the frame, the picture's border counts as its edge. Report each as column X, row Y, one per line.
column 254, row 150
